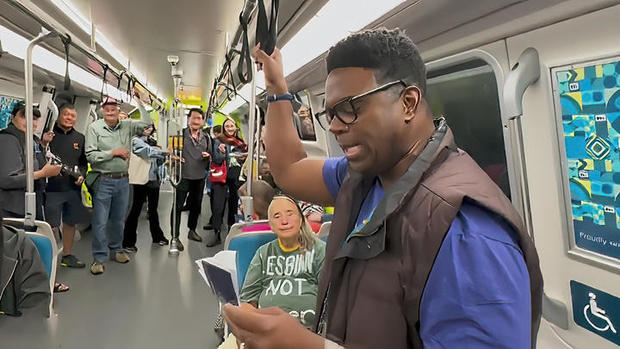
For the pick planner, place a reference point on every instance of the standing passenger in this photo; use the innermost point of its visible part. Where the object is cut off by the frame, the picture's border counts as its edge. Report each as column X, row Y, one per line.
column 107, row 144
column 229, row 147
column 64, row 198
column 196, row 160
column 13, row 165
column 425, row 251
column 146, row 148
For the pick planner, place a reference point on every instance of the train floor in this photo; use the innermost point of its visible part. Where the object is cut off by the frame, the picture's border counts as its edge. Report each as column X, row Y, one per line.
column 154, row 301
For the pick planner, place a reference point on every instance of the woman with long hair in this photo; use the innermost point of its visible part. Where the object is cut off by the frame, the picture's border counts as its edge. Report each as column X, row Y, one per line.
column 229, row 147
column 284, row 273
column 145, row 147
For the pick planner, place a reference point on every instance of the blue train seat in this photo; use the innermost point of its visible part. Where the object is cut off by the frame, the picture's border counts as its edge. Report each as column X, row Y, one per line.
column 246, row 244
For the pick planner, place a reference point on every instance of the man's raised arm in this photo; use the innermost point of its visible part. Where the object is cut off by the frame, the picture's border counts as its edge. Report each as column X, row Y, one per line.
column 292, row 170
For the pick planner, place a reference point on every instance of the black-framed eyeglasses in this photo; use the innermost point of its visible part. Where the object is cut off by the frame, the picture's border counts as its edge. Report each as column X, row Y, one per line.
column 347, row 110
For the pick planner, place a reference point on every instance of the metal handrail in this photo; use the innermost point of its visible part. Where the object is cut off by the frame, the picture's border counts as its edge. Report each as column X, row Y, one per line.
column 30, row 196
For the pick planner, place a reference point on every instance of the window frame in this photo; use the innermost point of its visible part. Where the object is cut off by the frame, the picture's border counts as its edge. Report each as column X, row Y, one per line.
column 514, row 176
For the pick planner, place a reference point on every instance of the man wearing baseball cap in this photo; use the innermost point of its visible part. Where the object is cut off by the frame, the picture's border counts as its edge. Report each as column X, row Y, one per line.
column 107, row 150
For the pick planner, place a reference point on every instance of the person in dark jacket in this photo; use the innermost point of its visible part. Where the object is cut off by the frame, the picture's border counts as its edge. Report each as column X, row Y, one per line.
column 229, row 147
column 64, row 197
column 13, row 169
column 424, row 250
column 24, row 284
column 196, row 159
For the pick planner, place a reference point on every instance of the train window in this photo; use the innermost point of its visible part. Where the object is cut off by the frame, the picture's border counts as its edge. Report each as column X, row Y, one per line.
column 467, row 96
column 587, row 101
column 304, row 118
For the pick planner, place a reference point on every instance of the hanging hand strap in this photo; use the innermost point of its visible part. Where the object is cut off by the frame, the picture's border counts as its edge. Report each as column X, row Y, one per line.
column 118, row 85
column 105, row 75
column 245, row 55
column 267, row 30
column 66, row 41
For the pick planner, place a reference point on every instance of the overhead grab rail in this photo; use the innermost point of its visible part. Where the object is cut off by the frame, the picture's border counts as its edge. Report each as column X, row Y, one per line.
column 523, row 74
column 246, row 13
column 266, row 33
column 37, row 14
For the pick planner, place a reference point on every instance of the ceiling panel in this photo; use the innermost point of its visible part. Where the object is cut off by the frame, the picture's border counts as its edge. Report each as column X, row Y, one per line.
column 147, row 31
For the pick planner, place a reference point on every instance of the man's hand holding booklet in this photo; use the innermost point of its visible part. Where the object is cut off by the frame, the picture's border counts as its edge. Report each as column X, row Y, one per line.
column 220, row 273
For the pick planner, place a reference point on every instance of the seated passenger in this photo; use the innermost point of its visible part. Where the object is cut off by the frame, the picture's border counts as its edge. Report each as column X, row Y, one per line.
column 262, row 194
column 284, row 273
column 24, row 285
column 314, row 215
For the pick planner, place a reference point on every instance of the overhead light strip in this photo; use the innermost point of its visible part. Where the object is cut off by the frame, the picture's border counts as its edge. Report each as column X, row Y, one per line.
column 335, row 20
column 16, row 45
column 85, row 24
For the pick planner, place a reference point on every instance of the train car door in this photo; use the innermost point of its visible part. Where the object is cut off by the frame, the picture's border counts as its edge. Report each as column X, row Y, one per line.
column 571, row 132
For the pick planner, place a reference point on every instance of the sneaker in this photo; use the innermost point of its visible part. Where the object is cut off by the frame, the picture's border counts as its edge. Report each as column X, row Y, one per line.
column 71, row 261
column 192, row 235
column 96, row 268
column 131, row 249
column 121, row 257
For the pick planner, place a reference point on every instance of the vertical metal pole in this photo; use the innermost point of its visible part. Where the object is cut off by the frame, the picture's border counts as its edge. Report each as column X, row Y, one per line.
column 30, row 210
column 258, row 140
column 248, row 204
column 252, row 129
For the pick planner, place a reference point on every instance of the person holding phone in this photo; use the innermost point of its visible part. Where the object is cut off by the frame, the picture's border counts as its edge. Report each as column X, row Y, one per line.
column 229, row 147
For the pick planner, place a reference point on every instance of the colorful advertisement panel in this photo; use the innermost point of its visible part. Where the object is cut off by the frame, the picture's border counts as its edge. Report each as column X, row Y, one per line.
column 588, row 97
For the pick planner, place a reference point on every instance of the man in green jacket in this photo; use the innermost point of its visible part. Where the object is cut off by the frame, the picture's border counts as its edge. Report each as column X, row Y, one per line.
column 107, row 150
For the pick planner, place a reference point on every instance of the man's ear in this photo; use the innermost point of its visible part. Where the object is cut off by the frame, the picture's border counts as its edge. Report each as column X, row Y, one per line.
column 411, row 100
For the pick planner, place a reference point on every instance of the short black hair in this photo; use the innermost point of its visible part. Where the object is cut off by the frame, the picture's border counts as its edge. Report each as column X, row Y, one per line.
column 390, row 52
column 66, row 106
column 20, row 108
column 197, row 110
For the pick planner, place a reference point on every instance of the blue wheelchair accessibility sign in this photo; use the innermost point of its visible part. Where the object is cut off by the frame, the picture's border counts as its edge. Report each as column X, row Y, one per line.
column 596, row 311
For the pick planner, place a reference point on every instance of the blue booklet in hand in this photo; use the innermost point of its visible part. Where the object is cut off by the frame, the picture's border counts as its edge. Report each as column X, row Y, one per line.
column 220, row 273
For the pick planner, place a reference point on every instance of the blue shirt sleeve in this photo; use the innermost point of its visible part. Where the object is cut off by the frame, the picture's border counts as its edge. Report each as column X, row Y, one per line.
column 477, row 294
column 334, row 171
